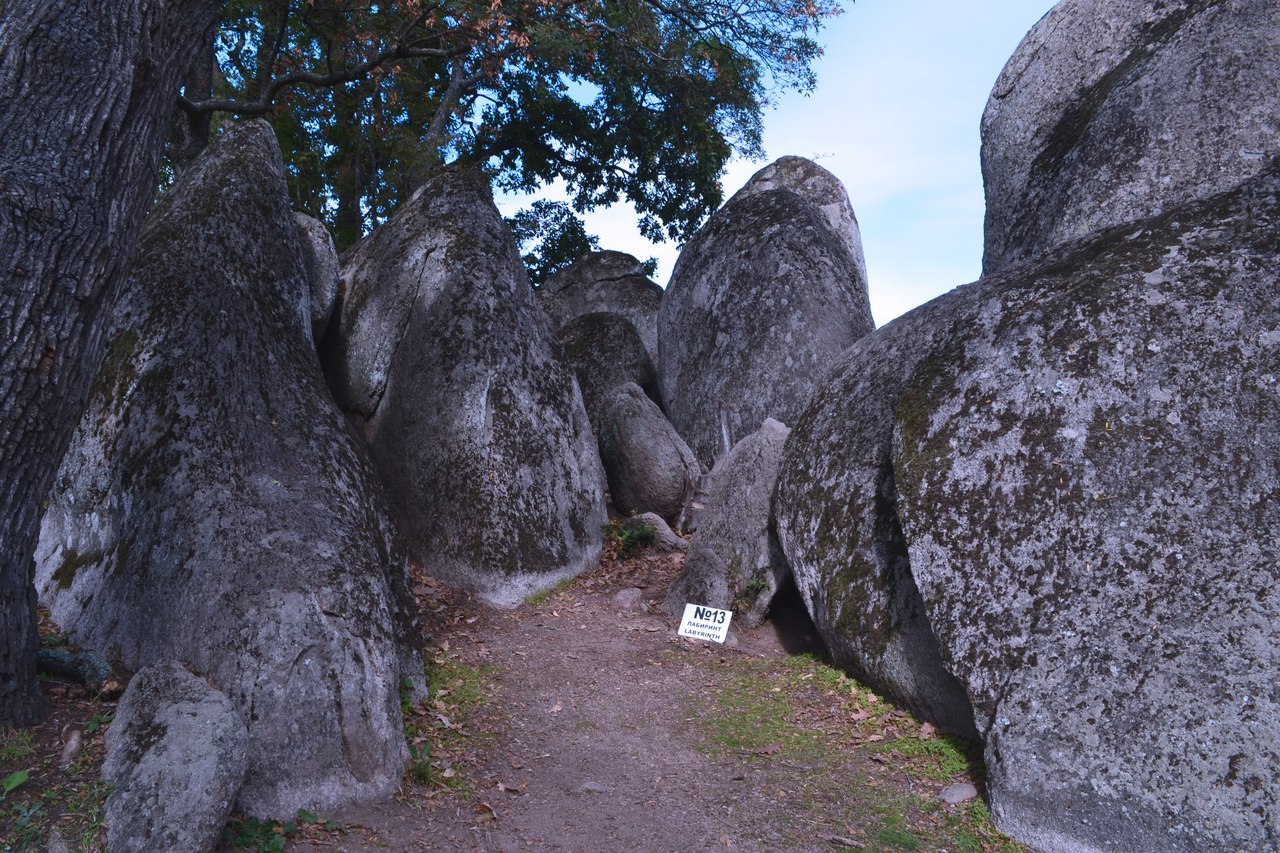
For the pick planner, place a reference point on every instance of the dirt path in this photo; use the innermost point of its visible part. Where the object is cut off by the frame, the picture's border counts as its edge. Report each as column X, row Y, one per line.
column 599, row 729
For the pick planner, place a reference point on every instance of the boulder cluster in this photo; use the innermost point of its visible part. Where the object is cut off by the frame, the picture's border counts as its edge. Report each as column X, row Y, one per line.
column 1042, row 511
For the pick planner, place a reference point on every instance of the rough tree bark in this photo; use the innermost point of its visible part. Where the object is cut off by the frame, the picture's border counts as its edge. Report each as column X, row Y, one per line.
column 87, row 90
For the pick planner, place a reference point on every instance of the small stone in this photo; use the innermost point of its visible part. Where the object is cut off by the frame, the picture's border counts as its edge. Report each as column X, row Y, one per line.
column 957, row 793
column 592, row 788
column 629, row 600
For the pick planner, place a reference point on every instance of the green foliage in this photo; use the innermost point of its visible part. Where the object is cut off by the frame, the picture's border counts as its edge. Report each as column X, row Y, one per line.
column 551, row 237
column 16, row 744
column 631, row 536
column 270, row 836
column 941, row 758
column 11, row 782
column 615, row 98
column 541, row 597
column 435, row 730
column 98, row 721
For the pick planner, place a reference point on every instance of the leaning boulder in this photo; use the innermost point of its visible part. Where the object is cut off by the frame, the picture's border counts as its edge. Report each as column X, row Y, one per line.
column 605, row 351
column 613, row 282
column 649, row 467
column 734, row 560
column 176, row 755
column 1088, row 478
column 214, row 508
column 321, row 258
column 474, row 421
column 1116, row 110
column 762, row 302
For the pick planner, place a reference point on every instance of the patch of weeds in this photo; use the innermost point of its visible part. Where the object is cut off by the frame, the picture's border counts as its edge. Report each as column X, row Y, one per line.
column 540, row 598
column 270, row 836
column 630, row 537
column 97, row 722
column 437, row 731
column 940, row 757
column 898, row 838
column 16, row 744
column 73, row 809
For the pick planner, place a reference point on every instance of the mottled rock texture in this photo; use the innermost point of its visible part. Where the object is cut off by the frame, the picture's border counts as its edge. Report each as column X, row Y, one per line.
column 735, row 562
column 648, row 464
column 1089, row 483
column 1116, row 110
column 806, row 178
column 837, row 519
column 605, row 351
column 605, row 281
column 321, row 258
column 176, row 754
column 214, row 508
column 474, row 420
column 761, row 303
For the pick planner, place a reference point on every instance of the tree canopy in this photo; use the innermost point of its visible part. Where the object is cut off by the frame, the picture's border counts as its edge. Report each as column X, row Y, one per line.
column 639, row 99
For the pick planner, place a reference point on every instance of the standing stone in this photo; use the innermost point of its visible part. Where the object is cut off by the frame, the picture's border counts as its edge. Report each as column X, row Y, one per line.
column 605, row 281
column 734, row 560
column 1089, row 482
column 214, row 508
column 605, row 351
column 475, row 423
column 762, row 302
column 648, row 465
column 321, row 259
column 1116, row 110
column 176, row 755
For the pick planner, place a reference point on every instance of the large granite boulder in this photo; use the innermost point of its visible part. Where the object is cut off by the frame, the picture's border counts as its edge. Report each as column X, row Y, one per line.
column 474, row 421
column 648, row 465
column 1089, row 483
column 176, row 754
column 605, row 351
column 608, row 281
column 214, row 508
column 321, row 259
column 837, row 522
column 1077, row 520
column 761, row 303
column 735, row 562
column 1116, row 110
column 806, row 178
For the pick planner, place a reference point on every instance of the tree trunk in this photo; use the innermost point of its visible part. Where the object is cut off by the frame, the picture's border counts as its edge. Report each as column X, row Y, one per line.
column 86, row 93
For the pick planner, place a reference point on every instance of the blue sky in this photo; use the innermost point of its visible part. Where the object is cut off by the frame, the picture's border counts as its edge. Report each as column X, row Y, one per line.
column 895, row 117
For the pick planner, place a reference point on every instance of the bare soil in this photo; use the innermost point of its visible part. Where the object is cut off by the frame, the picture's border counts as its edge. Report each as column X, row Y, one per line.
column 575, row 724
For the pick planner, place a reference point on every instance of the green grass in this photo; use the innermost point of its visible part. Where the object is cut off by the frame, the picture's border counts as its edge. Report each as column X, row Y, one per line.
column 540, row 598
column 941, row 758
column 270, row 836
column 15, row 745
column 75, row 809
column 437, row 730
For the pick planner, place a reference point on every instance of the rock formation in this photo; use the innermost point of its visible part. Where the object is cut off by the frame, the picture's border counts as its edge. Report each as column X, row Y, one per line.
column 762, row 302
column 321, row 258
column 612, row 282
column 214, row 509
column 735, row 562
column 1116, row 110
column 175, row 758
column 474, row 421
column 648, row 465
column 605, row 351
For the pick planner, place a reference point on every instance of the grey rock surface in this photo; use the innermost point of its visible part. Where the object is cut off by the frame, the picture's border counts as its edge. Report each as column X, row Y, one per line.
column 1088, row 478
column 605, row 351
column 608, row 281
column 176, row 754
column 648, row 465
column 837, row 519
column 214, row 508
column 809, row 180
column 476, row 424
column 762, row 302
column 1116, row 110
column 665, row 540
column 321, row 259
column 735, row 562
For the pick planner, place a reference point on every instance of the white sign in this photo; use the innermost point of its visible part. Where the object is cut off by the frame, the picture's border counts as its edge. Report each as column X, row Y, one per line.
column 705, row 623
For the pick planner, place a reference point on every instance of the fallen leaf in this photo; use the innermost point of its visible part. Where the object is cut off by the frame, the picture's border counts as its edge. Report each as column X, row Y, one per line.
column 771, row 749
column 556, row 708
column 874, row 738
column 512, row 789
column 927, row 731
column 486, row 813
